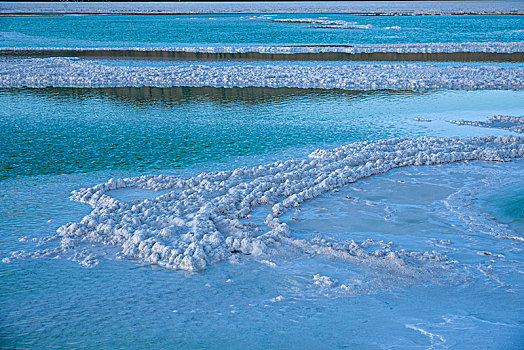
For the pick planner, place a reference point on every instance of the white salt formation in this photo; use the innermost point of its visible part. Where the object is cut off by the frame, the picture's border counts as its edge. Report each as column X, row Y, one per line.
column 324, row 281
column 490, row 47
column 515, row 124
column 207, row 219
column 324, row 23
column 61, row 72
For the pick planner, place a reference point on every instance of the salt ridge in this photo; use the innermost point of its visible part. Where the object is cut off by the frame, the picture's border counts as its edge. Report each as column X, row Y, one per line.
column 492, row 47
column 324, row 23
column 207, row 219
column 61, row 72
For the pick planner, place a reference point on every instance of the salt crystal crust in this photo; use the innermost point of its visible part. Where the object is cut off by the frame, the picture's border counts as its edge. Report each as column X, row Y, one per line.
column 515, row 124
column 488, row 47
column 208, row 219
column 60, row 72
column 384, row 8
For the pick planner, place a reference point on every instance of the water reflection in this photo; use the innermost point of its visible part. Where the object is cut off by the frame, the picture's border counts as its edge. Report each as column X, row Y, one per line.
column 180, row 95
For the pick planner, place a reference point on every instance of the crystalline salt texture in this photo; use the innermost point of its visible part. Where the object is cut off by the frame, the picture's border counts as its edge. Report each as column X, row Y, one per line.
column 204, row 220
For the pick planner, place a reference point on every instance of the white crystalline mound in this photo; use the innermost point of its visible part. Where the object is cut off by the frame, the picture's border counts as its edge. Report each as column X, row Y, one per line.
column 324, row 281
column 206, row 219
column 515, row 124
column 60, row 72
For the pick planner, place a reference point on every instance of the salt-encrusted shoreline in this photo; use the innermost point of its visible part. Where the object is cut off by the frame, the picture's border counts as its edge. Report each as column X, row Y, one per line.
column 207, row 219
column 58, row 72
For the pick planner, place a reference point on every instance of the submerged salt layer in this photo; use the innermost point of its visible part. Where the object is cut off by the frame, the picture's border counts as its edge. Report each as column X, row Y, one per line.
column 60, row 72
column 206, row 219
column 515, row 124
column 489, row 47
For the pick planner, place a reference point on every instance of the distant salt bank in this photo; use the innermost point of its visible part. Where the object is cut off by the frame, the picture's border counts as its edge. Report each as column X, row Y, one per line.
column 515, row 124
column 371, row 8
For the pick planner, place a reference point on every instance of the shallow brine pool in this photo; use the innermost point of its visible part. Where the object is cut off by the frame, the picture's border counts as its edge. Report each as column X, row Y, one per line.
column 297, row 300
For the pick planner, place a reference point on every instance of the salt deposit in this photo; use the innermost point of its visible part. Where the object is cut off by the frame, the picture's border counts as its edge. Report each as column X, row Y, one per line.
column 324, row 281
column 492, row 47
column 324, row 23
column 515, row 124
column 207, row 219
column 60, row 72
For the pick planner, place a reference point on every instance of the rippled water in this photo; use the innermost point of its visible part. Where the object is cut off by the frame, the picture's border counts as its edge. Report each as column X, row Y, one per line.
column 159, row 31
column 507, row 206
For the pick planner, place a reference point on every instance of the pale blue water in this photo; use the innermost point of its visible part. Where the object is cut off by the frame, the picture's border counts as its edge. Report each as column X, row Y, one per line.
column 161, row 31
column 57, row 303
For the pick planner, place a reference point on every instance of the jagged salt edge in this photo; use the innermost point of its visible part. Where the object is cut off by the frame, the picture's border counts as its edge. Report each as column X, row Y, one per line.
column 515, row 124
column 324, row 23
column 489, row 47
column 204, row 219
column 64, row 72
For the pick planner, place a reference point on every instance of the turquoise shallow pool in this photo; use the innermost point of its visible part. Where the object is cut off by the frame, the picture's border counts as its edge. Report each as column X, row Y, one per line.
column 161, row 31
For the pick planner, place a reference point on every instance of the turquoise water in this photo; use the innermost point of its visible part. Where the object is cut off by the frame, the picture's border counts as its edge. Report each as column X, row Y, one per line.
column 159, row 31
column 507, row 206
column 64, row 130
